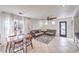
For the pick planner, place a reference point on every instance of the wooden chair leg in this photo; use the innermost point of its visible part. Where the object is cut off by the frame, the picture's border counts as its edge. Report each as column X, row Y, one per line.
column 10, row 47
column 7, row 46
column 26, row 49
column 23, row 50
column 32, row 45
column 13, row 48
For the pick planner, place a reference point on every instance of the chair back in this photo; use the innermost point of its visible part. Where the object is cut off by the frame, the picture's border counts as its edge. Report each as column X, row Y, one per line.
column 18, row 45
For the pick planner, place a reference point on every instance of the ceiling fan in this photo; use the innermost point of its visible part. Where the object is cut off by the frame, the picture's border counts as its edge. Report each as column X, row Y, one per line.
column 50, row 18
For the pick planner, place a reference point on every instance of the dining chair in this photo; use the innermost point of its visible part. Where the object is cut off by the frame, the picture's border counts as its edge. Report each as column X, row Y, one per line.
column 9, row 43
column 18, row 45
column 14, row 44
column 28, row 41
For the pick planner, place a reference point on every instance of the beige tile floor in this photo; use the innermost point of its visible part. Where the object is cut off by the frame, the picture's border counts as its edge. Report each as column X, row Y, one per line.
column 60, row 44
column 57, row 45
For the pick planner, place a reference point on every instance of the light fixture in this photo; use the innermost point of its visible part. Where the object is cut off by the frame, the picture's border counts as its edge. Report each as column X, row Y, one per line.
column 46, row 23
column 20, row 13
column 53, row 22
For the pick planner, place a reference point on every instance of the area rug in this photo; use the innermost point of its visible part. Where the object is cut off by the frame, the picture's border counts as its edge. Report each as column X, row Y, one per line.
column 45, row 39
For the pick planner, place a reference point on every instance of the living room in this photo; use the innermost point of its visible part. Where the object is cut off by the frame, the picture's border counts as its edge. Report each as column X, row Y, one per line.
column 44, row 23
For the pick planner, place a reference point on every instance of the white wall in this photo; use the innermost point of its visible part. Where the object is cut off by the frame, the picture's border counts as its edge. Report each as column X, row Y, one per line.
column 70, row 26
column 76, row 29
column 26, row 21
column 76, row 25
column 40, row 24
column 35, row 24
column 0, row 22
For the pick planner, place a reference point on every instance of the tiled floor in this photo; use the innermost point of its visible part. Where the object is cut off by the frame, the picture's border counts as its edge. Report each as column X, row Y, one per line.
column 60, row 44
column 57, row 45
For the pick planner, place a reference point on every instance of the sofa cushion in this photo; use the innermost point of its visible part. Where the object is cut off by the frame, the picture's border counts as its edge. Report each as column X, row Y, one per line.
column 38, row 33
column 50, row 33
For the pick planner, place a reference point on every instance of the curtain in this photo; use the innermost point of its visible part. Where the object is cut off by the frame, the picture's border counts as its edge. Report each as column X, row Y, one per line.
column 7, row 21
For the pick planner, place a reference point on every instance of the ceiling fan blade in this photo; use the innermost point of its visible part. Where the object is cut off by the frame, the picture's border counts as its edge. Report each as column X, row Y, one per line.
column 53, row 18
column 48, row 18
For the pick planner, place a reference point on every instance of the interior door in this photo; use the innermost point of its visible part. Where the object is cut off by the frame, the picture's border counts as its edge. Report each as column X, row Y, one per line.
column 63, row 28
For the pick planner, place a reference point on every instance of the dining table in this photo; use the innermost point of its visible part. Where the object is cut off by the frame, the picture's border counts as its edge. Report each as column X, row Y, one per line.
column 13, row 38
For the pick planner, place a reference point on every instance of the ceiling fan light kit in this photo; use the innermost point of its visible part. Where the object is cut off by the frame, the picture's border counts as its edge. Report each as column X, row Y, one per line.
column 53, row 22
column 46, row 23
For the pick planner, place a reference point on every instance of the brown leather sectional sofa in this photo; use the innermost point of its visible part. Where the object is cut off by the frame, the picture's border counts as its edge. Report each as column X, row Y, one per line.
column 39, row 32
column 50, row 32
column 36, row 33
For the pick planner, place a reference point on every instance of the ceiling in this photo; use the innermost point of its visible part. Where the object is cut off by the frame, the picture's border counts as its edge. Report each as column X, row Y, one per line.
column 41, row 11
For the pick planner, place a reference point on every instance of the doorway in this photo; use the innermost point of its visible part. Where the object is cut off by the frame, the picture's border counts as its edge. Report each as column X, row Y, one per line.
column 63, row 28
